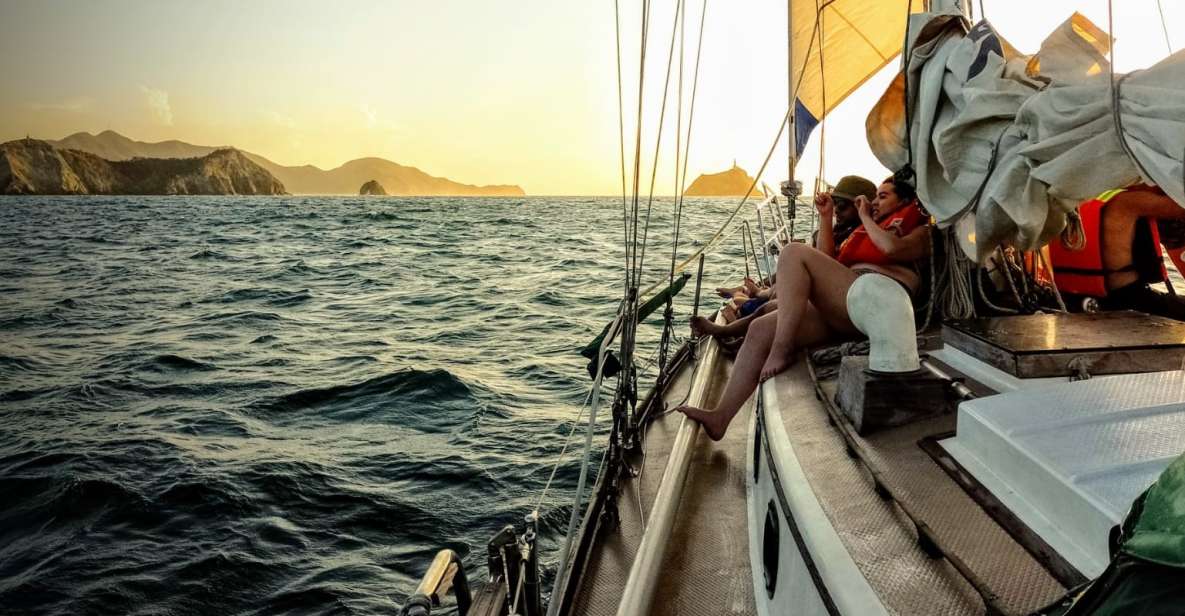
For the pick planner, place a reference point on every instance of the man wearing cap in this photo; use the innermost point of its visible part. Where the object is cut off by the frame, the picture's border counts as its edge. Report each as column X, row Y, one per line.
column 838, row 215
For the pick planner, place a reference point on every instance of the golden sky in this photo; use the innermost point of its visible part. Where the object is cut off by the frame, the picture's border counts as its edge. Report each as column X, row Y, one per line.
column 480, row 91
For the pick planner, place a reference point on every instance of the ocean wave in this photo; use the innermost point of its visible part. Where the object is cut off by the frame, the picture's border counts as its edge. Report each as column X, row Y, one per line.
column 169, row 362
column 392, row 397
column 243, row 317
column 210, row 255
column 273, row 297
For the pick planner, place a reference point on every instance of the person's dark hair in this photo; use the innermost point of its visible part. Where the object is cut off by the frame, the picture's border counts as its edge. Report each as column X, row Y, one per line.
column 905, row 191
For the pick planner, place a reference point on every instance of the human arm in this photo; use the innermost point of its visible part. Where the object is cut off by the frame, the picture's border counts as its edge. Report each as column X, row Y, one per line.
column 825, row 239
column 910, row 247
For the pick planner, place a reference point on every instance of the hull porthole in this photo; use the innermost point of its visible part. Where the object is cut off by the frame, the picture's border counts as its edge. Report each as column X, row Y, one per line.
column 769, row 548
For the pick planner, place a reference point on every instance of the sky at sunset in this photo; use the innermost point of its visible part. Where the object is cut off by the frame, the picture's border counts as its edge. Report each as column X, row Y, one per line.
column 480, row 91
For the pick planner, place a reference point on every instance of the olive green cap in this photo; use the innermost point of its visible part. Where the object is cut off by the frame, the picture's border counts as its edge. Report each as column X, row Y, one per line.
column 852, row 186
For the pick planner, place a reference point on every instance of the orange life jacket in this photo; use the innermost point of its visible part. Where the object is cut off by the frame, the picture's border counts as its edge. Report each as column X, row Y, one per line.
column 859, row 248
column 1081, row 272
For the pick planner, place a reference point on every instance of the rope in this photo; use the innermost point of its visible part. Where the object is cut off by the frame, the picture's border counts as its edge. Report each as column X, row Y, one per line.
column 984, row 298
column 959, row 301
column 1057, row 294
column 1007, row 265
column 1073, row 236
column 934, row 282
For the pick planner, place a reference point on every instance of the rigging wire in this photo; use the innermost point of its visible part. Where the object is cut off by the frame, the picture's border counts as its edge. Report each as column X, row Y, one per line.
column 823, row 120
column 678, row 152
column 1116, row 89
column 560, row 457
column 681, row 188
column 714, row 240
column 644, row 39
column 1164, row 26
column 662, row 113
column 621, row 141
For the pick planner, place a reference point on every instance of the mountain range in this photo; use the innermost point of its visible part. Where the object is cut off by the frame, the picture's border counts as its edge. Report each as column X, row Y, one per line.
column 302, row 180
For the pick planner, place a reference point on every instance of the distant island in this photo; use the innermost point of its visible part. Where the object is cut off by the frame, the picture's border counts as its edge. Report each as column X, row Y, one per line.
column 373, row 188
column 34, row 167
column 732, row 183
column 302, row 180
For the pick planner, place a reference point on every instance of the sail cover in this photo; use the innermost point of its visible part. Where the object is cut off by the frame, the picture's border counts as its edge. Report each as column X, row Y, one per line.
column 1018, row 140
column 857, row 38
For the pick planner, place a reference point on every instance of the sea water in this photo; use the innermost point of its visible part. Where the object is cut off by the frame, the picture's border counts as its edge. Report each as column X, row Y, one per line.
column 237, row 405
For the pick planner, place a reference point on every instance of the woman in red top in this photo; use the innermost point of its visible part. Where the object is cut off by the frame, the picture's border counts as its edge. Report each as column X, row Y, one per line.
column 812, row 287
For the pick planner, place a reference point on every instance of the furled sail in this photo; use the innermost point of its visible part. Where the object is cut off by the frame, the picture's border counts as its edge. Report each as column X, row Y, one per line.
column 1021, row 141
column 858, row 37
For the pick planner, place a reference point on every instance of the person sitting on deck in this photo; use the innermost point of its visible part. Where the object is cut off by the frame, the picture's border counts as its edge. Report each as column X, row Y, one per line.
column 1124, row 230
column 812, row 287
column 838, row 208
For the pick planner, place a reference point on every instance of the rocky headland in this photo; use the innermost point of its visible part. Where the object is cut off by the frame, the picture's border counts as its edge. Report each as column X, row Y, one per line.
column 34, row 167
column 372, row 187
column 732, row 183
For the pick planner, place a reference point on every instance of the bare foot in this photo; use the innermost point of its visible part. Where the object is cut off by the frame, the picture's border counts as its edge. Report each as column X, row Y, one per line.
column 751, row 287
column 701, row 326
column 778, row 360
column 714, row 423
column 725, row 292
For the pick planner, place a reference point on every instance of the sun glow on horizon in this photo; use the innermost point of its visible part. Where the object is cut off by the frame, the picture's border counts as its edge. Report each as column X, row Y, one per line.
column 482, row 93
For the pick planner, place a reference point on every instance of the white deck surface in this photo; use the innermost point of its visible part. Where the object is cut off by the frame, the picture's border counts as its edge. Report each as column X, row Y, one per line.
column 1069, row 458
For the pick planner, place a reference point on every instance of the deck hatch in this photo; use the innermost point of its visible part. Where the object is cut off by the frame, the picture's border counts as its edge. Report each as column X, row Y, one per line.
column 1048, row 345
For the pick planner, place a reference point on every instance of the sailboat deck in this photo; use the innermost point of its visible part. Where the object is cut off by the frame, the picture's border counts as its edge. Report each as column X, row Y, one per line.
column 707, row 562
column 882, row 535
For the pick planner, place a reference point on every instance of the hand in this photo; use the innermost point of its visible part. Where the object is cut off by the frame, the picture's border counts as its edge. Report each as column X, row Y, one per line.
column 864, row 207
column 825, row 205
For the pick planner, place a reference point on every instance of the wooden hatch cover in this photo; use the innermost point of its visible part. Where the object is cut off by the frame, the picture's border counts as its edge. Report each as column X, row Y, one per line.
column 1051, row 345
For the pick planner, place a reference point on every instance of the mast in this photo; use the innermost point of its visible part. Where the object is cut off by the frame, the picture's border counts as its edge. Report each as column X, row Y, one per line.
column 793, row 154
column 789, row 187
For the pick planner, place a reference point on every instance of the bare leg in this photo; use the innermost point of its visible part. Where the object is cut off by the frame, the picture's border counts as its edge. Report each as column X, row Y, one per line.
column 702, row 326
column 812, row 330
column 1119, row 230
column 806, row 273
